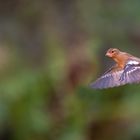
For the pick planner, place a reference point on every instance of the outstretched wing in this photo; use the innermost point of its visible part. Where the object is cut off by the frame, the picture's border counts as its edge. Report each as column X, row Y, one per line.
column 132, row 74
column 112, row 77
column 107, row 80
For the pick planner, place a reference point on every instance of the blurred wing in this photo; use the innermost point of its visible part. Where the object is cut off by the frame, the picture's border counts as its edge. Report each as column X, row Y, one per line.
column 112, row 78
column 107, row 80
column 132, row 75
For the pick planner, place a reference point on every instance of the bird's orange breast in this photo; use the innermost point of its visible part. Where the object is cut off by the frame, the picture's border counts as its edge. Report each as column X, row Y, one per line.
column 121, row 60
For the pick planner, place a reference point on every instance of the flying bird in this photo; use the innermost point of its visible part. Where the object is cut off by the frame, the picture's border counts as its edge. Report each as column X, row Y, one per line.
column 125, row 71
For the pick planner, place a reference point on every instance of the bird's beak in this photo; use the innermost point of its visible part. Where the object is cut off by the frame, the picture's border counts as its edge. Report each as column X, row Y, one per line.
column 108, row 54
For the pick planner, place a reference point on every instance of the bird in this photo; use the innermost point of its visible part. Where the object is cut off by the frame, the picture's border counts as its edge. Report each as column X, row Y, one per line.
column 125, row 71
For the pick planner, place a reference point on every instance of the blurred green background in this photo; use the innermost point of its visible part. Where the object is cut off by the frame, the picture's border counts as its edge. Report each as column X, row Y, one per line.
column 50, row 50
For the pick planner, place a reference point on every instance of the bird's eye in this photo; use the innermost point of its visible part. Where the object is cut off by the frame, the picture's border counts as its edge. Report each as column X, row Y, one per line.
column 112, row 51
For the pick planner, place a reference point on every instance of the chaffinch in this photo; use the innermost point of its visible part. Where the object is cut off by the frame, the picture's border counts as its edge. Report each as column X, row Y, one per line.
column 125, row 71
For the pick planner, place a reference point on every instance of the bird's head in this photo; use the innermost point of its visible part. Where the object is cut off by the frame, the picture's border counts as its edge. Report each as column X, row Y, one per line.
column 112, row 52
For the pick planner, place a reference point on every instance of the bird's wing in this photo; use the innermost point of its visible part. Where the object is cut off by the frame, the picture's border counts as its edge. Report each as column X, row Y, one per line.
column 108, row 79
column 132, row 73
column 111, row 78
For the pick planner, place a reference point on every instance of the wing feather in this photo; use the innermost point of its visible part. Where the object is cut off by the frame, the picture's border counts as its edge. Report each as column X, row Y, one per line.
column 112, row 78
column 108, row 80
column 135, row 75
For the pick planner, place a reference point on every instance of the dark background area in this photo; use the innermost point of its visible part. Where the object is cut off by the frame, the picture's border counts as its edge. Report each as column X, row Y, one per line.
column 50, row 50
